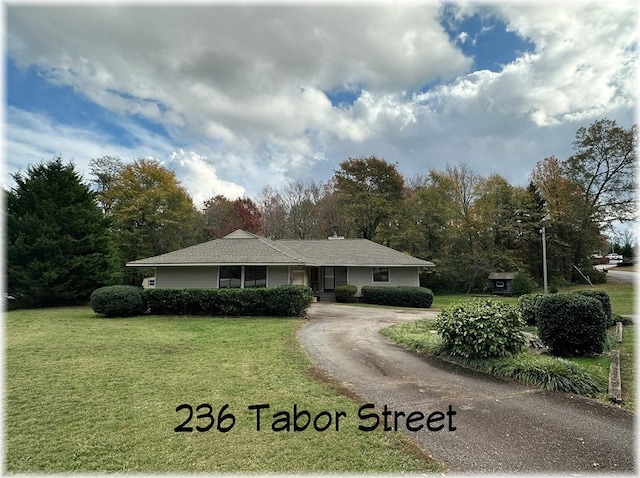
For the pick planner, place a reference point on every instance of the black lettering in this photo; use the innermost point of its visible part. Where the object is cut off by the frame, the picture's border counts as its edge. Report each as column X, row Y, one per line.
column 183, row 426
column 315, row 421
column 396, row 414
column 338, row 415
column 282, row 420
column 367, row 416
column 410, row 419
column 385, row 413
column 257, row 408
column 225, row 416
column 435, row 417
column 208, row 414
column 297, row 415
column 450, row 414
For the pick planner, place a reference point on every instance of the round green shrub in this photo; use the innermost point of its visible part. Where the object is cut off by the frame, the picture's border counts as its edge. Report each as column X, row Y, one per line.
column 480, row 328
column 604, row 299
column 345, row 293
column 527, row 307
column 118, row 301
column 571, row 324
column 522, row 284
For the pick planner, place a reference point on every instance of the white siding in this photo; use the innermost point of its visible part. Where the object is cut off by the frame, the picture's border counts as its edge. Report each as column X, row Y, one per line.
column 187, row 277
column 363, row 276
column 277, row 275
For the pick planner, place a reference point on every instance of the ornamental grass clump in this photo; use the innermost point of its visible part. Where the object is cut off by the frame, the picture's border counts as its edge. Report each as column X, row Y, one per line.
column 544, row 371
column 480, row 328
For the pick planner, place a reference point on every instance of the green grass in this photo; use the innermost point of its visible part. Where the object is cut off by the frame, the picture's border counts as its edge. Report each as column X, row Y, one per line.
column 445, row 300
column 88, row 394
column 627, row 367
column 622, row 297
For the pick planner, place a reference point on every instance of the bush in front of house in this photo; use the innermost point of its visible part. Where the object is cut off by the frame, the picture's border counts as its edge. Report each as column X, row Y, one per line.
column 401, row 296
column 480, row 328
column 281, row 301
column 345, row 293
column 118, row 301
column 604, row 299
column 287, row 300
column 571, row 324
column 527, row 307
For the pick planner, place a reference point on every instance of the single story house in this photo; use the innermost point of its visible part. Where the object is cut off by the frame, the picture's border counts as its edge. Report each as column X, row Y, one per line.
column 501, row 282
column 242, row 259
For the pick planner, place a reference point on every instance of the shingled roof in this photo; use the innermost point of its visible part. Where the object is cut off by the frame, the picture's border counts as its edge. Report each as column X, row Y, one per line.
column 241, row 247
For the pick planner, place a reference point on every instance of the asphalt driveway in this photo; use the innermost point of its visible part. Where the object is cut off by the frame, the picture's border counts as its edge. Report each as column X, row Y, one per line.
column 500, row 426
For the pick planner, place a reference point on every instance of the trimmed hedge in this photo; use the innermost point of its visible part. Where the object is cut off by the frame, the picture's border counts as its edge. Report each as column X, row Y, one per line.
column 527, row 307
column 401, row 296
column 604, row 299
column 118, row 301
column 345, row 293
column 572, row 324
column 280, row 301
column 480, row 328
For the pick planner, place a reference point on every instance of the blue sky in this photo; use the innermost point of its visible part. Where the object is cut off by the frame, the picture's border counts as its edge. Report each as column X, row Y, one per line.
column 237, row 99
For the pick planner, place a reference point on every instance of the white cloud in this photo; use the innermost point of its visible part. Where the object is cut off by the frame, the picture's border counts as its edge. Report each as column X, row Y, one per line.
column 200, row 178
column 240, row 90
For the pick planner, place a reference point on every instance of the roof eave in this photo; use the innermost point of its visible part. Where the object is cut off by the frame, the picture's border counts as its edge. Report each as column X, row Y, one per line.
column 212, row 264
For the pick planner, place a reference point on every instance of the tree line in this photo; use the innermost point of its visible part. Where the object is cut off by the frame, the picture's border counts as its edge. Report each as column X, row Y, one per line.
column 67, row 236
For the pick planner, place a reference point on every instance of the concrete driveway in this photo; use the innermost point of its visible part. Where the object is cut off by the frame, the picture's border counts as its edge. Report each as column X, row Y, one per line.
column 500, row 426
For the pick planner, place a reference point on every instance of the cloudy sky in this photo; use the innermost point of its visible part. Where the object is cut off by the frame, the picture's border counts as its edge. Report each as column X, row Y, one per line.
column 237, row 98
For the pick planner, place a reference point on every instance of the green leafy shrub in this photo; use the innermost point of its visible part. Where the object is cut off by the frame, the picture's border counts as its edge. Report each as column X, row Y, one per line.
column 480, row 328
column 281, row 301
column 401, row 296
column 287, row 300
column 571, row 324
column 522, row 284
column 118, row 301
column 604, row 299
column 527, row 307
column 345, row 293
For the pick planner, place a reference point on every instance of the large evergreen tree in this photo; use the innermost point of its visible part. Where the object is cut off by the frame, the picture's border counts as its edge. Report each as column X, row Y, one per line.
column 58, row 245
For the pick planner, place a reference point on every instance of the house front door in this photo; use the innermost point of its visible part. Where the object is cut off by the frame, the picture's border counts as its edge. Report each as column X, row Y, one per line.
column 329, row 279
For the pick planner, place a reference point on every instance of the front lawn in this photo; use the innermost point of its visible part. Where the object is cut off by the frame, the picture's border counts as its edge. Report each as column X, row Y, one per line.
column 89, row 394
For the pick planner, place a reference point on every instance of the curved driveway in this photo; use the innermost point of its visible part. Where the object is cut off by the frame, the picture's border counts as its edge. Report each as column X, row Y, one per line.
column 500, row 426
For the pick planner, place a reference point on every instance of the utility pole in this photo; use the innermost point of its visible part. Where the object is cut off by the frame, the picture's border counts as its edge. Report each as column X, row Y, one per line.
column 544, row 259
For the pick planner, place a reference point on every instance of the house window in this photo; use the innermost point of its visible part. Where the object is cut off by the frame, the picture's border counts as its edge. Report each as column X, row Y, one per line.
column 380, row 274
column 255, row 276
column 230, row 277
column 499, row 284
